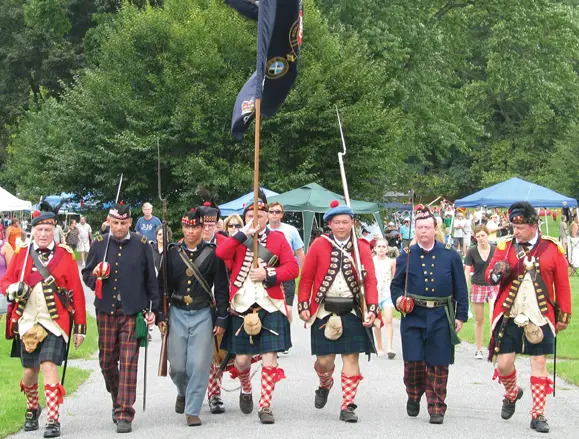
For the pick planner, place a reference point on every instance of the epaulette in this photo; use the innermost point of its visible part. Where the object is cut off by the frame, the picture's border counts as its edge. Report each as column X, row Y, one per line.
column 502, row 242
column 406, row 250
column 67, row 248
column 22, row 245
column 99, row 237
column 554, row 241
column 144, row 240
column 448, row 246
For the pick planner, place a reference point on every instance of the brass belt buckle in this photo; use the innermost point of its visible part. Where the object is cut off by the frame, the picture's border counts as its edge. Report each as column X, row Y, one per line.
column 430, row 303
column 521, row 254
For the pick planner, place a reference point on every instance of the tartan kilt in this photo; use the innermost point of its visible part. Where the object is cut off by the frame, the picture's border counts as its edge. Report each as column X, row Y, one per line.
column 263, row 342
column 354, row 338
column 52, row 348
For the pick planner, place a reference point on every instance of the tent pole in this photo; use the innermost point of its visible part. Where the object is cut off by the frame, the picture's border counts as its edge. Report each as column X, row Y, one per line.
column 546, row 221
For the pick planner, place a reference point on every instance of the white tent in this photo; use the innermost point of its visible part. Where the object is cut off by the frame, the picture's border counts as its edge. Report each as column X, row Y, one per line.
column 9, row 202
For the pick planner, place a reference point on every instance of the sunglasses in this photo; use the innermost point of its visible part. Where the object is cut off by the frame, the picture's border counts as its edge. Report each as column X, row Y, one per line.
column 234, row 226
column 276, row 212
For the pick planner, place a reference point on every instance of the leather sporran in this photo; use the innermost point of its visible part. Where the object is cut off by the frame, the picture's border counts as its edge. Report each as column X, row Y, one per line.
column 533, row 333
column 334, row 328
column 252, row 324
column 33, row 338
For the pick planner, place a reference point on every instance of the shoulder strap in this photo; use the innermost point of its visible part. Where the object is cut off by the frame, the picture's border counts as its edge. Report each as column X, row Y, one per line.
column 262, row 252
column 51, row 281
column 194, row 267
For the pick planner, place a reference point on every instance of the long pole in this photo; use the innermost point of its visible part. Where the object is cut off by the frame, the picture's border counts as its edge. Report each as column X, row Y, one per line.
column 256, row 180
column 357, row 260
column 109, row 234
column 162, row 369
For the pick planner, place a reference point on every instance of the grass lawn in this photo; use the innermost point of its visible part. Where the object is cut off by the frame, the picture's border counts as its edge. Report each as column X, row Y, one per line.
column 567, row 343
column 13, row 402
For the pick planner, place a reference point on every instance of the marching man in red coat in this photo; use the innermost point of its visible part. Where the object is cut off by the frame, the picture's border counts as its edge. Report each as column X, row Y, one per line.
column 328, row 301
column 259, row 323
column 534, row 303
column 46, row 298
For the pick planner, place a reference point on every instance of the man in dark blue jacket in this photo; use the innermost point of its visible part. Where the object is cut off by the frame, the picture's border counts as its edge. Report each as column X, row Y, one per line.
column 125, row 284
column 429, row 275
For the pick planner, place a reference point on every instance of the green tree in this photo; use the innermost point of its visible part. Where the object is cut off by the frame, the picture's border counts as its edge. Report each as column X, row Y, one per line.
column 172, row 74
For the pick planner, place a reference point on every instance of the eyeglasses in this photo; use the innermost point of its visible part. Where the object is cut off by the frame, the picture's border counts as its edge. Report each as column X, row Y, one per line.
column 276, row 211
column 234, row 226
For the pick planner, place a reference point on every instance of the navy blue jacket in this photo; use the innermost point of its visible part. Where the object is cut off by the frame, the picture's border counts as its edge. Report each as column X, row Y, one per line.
column 439, row 273
column 132, row 274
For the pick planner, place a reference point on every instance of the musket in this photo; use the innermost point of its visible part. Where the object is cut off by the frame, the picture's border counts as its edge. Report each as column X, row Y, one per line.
column 407, row 250
column 109, row 235
column 162, row 370
column 357, row 261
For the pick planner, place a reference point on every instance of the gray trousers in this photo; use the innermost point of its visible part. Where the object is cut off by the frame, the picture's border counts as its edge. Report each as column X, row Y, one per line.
column 190, row 353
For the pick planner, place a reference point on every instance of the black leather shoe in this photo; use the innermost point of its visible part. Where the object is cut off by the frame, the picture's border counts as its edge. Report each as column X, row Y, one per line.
column 508, row 409
column 246, row 403
column 216, row 405
column 124, row 426
column 52, row 428
column 348, row 415
column 265, row 415
column 114, row 417
column 412, row 407
column 321, row 397
column 540, row 424
column 436, row 419
column 180, row 404
column 31, row 419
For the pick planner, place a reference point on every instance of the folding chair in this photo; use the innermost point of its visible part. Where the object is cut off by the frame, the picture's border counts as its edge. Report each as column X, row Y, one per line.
column 573, row 255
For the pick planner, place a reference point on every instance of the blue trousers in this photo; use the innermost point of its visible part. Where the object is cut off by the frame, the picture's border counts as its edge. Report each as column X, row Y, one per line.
column 190, row 353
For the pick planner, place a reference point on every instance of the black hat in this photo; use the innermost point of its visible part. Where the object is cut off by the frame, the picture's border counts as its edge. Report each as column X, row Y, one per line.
column 523, row 212
column 261, row 203
column 120, row 211
column 47, row 213
column 192, row 217
column 208, row 212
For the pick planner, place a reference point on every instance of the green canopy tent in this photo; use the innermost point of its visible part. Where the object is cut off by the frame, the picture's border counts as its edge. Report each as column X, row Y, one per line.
column 313, row 198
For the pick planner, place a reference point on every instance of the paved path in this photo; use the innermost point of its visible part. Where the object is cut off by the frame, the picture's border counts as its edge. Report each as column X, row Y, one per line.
column 474, row 403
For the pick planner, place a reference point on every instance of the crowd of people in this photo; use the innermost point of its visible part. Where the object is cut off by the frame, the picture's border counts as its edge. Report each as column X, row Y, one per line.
column 230, row 287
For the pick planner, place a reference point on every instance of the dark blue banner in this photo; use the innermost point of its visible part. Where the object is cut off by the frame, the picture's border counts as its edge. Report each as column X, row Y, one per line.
column 280, row 31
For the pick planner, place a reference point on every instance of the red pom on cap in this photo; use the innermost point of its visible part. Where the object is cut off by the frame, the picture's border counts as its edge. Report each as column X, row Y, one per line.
column 35, row 213
column 121, row 203
column 192, row 209
column 418, row 206
column 334, row 203
column 207, row 203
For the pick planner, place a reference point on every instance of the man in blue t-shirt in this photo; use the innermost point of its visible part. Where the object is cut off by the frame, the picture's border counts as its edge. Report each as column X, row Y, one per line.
column 147, row 224
column 275, row 215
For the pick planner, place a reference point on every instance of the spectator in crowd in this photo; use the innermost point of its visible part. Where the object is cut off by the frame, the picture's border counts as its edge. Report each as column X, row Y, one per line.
column 105, row 226
column 13, row 232
column 493, row 226
column 84, row 239
column 147, row 224
column 385, row 268
column 72, row 235
column 477, row 260
column 563, row 232
column 157, row 245
column 366, row 235
column 6, row 253
column 292, row 236
column 459, row 226
column 467, row 233
column 574, row 228
column 407, row 232
column 232, row 224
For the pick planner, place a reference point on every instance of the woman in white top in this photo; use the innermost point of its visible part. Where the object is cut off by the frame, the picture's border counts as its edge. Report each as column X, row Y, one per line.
column 385, row 268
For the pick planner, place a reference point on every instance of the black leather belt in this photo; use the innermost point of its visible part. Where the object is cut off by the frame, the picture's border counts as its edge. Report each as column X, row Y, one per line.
column 430, row 303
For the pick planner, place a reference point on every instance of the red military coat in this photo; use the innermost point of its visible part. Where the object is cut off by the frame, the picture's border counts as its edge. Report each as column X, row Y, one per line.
column 553, row 268
column 65, row 271
column 233, row 249
column 315, row 271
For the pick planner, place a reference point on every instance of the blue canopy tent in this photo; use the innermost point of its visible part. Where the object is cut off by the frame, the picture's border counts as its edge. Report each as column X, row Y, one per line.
column 237, row 205
column 515, row 189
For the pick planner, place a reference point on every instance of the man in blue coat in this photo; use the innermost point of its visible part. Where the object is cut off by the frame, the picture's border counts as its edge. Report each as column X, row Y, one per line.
column 429, row 281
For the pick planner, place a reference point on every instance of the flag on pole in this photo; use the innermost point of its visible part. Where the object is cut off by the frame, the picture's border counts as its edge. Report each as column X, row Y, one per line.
column 279, row 38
